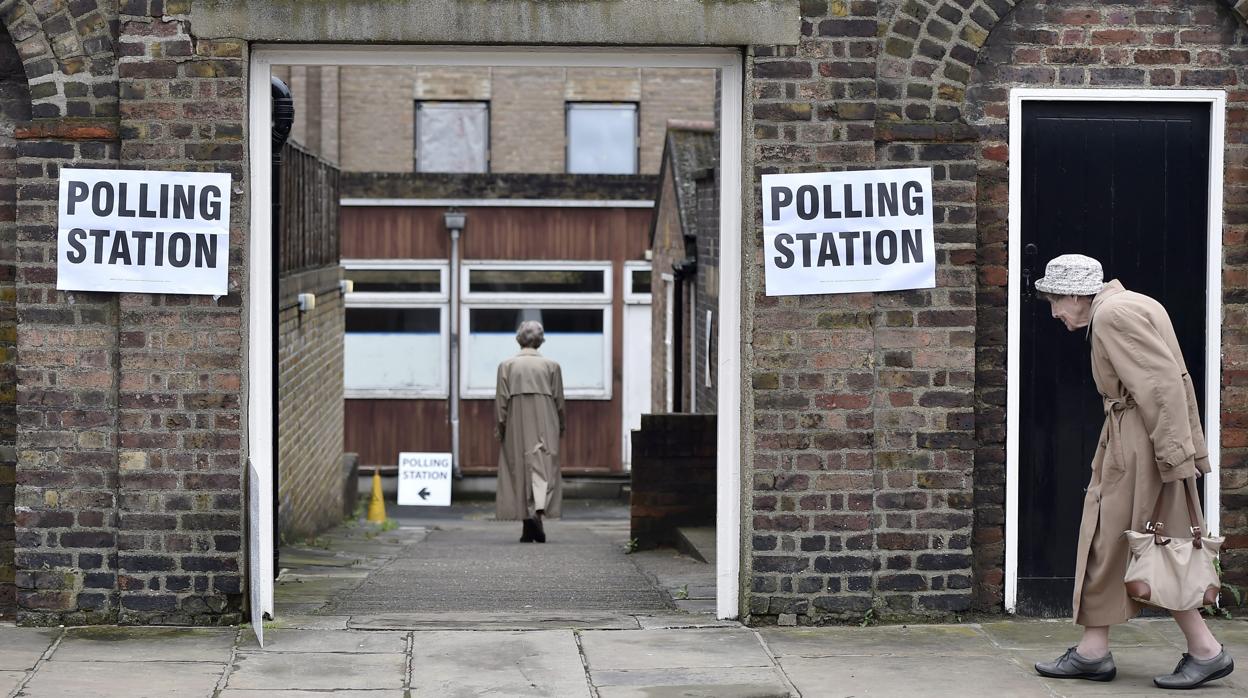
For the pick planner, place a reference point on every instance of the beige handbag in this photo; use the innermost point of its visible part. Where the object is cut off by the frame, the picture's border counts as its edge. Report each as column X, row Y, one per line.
column 1178, row 574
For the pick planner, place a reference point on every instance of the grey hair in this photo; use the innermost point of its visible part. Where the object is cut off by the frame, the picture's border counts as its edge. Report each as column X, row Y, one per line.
column 530, row 335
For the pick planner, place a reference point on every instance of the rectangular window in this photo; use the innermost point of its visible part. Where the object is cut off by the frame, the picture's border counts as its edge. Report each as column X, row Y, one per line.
column 573, row 303
column 394, row 349
column 536, row 281
column 574, row 338
column 639, row 281
column 602, row 138
column 452, row 136
column 397, row 280
column 396, row 343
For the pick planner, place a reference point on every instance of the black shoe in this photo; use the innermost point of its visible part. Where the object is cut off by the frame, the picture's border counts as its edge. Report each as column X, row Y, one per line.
column 526, row 535
column 1192, row 672
column 1073, row 665
column 539, row 533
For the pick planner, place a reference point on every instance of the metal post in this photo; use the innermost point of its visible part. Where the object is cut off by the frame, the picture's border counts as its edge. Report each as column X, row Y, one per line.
column 455, row 224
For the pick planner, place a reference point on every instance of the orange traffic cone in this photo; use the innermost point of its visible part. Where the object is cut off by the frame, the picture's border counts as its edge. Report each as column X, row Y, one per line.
column 376, row 503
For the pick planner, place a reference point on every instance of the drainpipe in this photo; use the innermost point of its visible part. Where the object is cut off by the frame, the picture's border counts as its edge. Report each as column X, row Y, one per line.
column 283, row 120
column 455, row 225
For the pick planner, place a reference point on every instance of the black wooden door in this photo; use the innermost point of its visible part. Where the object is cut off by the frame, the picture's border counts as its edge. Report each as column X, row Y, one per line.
column 1128, row 185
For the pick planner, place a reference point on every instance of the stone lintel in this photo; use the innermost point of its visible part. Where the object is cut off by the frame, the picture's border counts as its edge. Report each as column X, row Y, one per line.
column 565, row 22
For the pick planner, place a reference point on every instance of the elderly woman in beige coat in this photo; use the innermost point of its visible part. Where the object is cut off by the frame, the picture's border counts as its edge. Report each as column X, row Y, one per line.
column 1152, row 437
column 528, row 405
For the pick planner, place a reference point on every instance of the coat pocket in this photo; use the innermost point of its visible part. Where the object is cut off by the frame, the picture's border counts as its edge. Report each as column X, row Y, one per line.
column 1112, row 465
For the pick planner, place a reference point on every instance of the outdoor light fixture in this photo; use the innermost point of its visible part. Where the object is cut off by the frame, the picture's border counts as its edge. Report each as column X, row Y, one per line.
column 307, row 302
column 346, row 286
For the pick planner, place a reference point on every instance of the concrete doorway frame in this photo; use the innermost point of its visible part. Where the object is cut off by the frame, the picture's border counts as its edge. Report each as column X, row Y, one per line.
column 260, row 302
column 1216, row 99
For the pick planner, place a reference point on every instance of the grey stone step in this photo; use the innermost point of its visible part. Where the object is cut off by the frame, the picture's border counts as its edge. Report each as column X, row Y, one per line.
column 697, row 542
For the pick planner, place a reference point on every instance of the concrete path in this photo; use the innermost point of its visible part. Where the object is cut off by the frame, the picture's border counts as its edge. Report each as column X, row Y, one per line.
column 479, row 566
column 660, row 658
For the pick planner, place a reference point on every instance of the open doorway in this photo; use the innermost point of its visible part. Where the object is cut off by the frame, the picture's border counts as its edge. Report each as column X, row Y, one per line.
column 573, row 253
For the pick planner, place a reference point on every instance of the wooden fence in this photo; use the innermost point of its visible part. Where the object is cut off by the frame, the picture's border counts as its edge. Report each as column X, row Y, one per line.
column 308, row 235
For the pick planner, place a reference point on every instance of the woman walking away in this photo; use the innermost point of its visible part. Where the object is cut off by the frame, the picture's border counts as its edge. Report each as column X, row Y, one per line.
column 528, row 405
column 1150, row 444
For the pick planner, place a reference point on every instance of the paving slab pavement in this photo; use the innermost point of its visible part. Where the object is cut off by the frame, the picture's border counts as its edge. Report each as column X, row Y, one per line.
column 289, row 640
column 131, row 679
column 724, row 660
column 120, row 644
column 317, row 671
column 469, row 664
column 22, row 647
column 10, row 680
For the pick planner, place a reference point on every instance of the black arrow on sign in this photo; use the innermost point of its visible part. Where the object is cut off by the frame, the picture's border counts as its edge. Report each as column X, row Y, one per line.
column 424, row 494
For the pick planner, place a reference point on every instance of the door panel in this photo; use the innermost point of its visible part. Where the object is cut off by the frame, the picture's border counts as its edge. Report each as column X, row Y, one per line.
column 1126, row 184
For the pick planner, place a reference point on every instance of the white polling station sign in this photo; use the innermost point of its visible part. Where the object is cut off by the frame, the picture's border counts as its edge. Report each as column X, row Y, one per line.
column 425, row 479
column 143, row 231
column 848, row 232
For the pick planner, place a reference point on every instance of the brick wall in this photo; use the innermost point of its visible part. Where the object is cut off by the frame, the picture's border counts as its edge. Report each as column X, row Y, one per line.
column 667, row 247
column 707, row 301
column 673, row 476
column 527, row 106
column 376, row 129
column 878, row 453
column 130, row 467
column 862, row 426
column 1103, row 44
column 14, row 109
column 310, row 407
column 535, row 142
column 872, row 447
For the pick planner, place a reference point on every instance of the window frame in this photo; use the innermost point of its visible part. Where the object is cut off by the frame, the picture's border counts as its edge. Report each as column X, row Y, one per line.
column 439, row 301
column 383, row 298
column 603, row 302
column 489, row 133
column 511, row 265
column 570, row 105
column 631, row 296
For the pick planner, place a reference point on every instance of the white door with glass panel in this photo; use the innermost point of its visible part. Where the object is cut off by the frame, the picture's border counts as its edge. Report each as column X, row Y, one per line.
column 637, row 343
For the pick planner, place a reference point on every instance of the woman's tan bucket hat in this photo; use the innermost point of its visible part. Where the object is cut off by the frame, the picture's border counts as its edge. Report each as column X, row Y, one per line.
column 1072, row 275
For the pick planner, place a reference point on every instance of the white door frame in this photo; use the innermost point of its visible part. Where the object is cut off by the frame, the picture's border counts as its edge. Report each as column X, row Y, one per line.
column 260, row 303
column 1216, row 99
column 633, row 301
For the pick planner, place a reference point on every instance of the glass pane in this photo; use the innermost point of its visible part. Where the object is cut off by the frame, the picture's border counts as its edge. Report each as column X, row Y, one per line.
column 535, row 281
column 451, row 136
column 396, row 280
column 574, row 338
column 641, row 281
column 602, row 139
column 396, row 348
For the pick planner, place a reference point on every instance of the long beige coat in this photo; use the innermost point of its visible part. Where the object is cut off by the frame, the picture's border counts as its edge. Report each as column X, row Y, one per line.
column 1152, row 435
column 529, row 422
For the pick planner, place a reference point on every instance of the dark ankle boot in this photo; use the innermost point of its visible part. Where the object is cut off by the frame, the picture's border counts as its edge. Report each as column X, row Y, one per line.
column 539, row 532
column 526, row 534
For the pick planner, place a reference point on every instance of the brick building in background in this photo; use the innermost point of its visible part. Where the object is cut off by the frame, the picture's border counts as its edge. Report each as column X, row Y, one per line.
column 874, row 433
column 555, row 169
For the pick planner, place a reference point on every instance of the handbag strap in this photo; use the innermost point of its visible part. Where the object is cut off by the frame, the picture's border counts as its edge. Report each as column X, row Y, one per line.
column 1189, row 495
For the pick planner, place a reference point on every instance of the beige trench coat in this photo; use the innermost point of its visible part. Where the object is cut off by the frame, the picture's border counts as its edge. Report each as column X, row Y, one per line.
column 1152, row 435
column 528, row 406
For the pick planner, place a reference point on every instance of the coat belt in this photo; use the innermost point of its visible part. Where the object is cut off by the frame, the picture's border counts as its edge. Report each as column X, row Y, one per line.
column 1115, row 408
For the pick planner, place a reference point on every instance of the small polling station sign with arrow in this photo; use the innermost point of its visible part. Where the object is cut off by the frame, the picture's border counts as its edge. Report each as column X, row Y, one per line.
column 425, row 479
